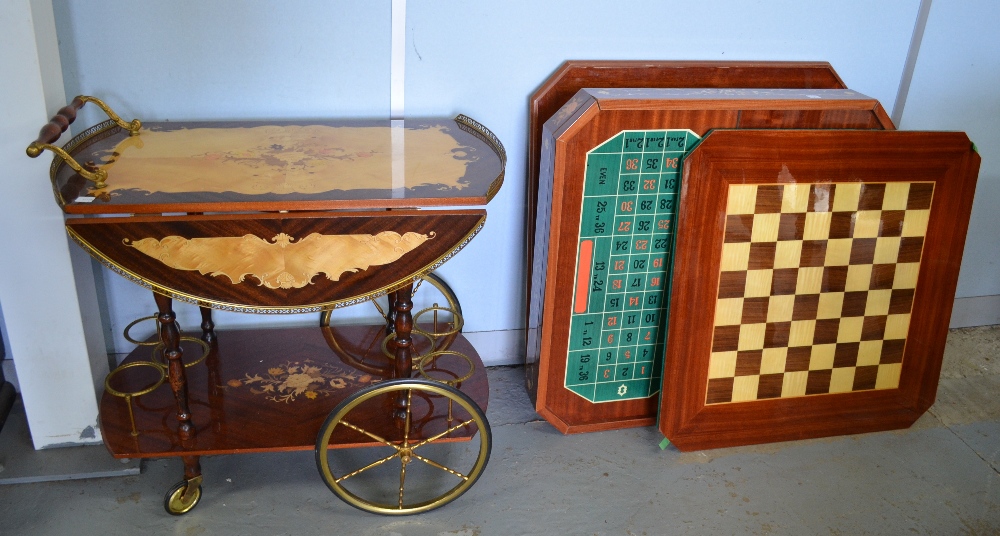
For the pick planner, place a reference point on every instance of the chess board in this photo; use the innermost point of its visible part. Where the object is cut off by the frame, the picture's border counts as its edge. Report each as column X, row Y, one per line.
column 816, row 288
column 814, row 277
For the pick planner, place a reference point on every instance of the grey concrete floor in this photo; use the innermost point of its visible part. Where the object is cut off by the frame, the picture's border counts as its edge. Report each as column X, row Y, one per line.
column 941, row 476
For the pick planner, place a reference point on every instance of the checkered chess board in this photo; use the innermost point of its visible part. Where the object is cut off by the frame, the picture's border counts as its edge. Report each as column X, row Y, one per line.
column 816, row 288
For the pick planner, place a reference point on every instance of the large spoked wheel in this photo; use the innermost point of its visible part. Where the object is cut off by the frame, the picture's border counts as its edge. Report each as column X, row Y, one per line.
column 437, row 316
column 427, row 455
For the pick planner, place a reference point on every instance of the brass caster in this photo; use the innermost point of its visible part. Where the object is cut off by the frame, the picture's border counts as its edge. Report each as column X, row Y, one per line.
column 182, row 497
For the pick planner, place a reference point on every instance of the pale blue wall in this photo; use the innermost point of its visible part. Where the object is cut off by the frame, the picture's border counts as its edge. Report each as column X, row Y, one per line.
column 203, row 60
column 484, row 59
column 191, row 59
column 956, row 86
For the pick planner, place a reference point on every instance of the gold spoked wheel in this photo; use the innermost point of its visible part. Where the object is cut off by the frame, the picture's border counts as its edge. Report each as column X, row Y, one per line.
column 436, row 312
column 417, row 461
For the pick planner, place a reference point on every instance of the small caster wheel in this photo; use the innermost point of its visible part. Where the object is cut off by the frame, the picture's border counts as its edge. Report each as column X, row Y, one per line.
column 418, row 456
column 182, row 497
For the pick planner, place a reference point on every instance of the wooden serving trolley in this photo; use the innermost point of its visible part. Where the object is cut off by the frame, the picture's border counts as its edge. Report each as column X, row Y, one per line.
column 291, row 217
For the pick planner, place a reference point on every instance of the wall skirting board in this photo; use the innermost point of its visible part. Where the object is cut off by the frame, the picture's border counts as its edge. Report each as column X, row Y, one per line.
column 975, row 311
column 506, row 347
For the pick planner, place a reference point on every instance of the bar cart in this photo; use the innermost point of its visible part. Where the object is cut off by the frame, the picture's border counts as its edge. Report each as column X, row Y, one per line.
column 291, row 217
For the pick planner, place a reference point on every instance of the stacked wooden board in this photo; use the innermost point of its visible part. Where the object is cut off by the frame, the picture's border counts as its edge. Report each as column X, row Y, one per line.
column 706, row 258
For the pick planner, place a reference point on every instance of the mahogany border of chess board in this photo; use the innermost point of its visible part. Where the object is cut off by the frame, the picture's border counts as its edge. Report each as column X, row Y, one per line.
column 756, row 157
column 574, row 75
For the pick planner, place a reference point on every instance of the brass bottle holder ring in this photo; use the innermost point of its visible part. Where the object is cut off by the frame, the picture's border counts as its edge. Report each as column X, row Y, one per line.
column 140, row 343
column 432, row 358
column 158, row 363
column 160, row 360
column 417, row 357
column 128, row 396
column 457, row 321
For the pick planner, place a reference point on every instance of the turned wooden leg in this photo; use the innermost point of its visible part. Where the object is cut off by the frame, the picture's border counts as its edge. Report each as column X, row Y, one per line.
column 207, row 326
column 403, row 304
column 170, row 337
column 390, row 313
column 192, row 467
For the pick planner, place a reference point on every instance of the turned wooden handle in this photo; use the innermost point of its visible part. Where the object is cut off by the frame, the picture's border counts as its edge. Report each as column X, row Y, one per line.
column 58, row 124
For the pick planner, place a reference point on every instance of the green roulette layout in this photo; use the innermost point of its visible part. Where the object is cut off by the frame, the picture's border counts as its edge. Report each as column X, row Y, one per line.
column 623, row 263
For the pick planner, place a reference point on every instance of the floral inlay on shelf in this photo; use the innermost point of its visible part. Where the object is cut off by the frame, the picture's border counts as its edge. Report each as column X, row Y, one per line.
column 285, row 383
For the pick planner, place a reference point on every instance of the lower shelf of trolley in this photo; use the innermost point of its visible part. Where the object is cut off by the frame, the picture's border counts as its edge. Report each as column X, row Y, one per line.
column 272, row 390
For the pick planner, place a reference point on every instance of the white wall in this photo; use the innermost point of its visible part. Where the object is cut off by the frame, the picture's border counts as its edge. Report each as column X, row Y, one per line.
column 46, row 324
column 198, row 60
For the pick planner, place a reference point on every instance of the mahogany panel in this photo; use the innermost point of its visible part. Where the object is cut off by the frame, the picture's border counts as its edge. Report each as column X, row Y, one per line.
column 266, row 390
column 589, row 119
column 709, row 404
column 270, row 262
column 575, row 75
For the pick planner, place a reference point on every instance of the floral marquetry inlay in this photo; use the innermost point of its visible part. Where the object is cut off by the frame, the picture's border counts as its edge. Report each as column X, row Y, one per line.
column 283, row 262
column 285, row 383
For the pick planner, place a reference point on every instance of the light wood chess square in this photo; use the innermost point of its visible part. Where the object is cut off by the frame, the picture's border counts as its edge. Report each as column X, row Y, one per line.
column 742, row 199
column 838, row 252
column 787, row 254
column 795, row 198
column 722, row 365
column 779, row 308
column 915, row 222
column 867, row 223
column 728, row 311
column 765, row 227
column 735, row 256
column 886, row 250
column 845, row 197
column 896, row 195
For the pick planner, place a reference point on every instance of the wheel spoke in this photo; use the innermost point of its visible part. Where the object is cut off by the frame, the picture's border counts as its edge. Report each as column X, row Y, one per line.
column 367, row 467
column 442, row 434
column 409, row 409
column 433, row 463
column 402, row 480
column 369, row 434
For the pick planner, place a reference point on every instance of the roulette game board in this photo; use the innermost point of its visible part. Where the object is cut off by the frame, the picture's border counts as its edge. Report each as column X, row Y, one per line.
column 575, row 75
column 606, row 210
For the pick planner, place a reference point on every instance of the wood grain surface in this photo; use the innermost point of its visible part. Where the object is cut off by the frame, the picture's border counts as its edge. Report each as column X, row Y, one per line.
column 575, row 75
column 726, row 158
column 282, row 165
column 590, row 118
column 111, row 241
column 266, row 390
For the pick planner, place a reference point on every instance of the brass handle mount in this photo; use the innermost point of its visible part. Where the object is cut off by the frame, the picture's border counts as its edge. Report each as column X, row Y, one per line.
column 50, row 133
